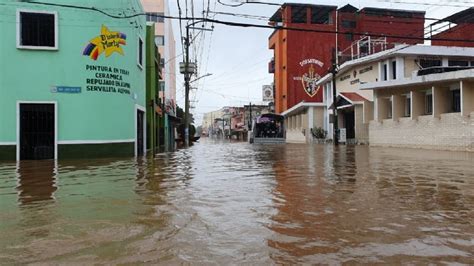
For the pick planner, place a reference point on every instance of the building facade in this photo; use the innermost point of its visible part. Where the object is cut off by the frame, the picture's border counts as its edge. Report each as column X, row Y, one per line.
column 75, row 86
column 305, row 53
column 459, row 26
column 164, row 39
column 154, row 112
column 411, row 95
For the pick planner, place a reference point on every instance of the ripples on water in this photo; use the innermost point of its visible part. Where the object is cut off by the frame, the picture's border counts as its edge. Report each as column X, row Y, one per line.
column 227, row 202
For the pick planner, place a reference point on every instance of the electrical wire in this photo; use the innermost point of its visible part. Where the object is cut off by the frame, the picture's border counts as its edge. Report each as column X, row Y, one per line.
column 249, row 25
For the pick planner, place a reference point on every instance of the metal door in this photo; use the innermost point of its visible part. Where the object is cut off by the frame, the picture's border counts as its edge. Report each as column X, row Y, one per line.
column 37, row 131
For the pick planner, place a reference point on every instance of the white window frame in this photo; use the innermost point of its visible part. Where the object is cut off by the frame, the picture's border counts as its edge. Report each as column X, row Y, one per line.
column 140, row 65
column 18, row 30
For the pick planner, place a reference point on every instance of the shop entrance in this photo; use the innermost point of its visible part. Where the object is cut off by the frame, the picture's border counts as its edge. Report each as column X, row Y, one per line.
column 36, row 131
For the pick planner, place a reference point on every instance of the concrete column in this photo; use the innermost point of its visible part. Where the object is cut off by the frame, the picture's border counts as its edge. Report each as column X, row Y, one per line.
column 417, row 104
column 368, row 109
column 382, row 108
column 440, row 101
column 445, row 62
column 467, row 98
column 310, row 117
column 400, row 67
column 389, row 69
column 397, row 107
column 380, row 71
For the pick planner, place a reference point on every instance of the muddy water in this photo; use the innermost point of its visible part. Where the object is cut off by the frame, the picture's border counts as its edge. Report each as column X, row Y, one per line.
column 219, row 203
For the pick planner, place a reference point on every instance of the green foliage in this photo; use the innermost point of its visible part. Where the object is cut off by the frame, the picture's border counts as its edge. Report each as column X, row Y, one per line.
column 319, row 132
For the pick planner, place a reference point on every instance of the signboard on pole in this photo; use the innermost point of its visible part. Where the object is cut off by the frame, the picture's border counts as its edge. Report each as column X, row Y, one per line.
column 267, row 93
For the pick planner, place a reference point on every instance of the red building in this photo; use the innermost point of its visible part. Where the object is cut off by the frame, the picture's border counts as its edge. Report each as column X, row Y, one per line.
column 304, row 47
column 459, row 26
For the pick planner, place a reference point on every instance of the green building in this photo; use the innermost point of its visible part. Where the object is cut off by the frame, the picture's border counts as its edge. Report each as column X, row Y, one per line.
column 72, row 81
column 154, row 111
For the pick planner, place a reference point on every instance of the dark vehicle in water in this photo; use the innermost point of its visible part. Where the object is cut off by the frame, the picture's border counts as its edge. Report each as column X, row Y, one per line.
column 267, row 129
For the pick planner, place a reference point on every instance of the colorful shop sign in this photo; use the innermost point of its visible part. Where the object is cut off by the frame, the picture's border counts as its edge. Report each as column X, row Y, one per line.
column 108, row 42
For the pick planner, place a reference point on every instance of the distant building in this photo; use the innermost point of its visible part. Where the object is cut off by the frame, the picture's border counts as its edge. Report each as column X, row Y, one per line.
column 301, row 58
column 71, row 91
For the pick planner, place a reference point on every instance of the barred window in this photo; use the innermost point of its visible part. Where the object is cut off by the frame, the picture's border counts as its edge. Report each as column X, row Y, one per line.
column 37, row 29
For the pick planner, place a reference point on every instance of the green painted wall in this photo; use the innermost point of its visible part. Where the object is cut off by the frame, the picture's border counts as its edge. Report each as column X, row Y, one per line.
column 152, row 88
column 28, row 75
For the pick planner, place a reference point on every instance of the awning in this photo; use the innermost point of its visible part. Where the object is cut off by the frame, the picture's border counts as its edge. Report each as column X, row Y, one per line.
column 348, row 99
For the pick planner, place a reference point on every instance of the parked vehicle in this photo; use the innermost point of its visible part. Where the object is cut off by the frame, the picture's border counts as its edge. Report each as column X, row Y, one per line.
column 267, row 128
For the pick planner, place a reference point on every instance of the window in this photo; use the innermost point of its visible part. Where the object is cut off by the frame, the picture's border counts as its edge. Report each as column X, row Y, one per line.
column 349, row 36
column 429, row 104
column 407, row 106
column 162, row 85
column 37, row 30
column 425, row 63
column 394, row 69
column 140, row 53
column 320, row 15
column 160, row 40
column 162, row 62
column 456, row 101
column 154, row 17
column 348, row 24
column 458, row 63
column 298, row 14
column 384, row 74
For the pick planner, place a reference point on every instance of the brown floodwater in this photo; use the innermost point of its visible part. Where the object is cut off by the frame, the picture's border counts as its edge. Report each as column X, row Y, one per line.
column 235, row 203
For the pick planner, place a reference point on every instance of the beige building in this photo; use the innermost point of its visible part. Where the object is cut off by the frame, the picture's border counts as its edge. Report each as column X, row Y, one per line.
column 164, row 39
column 209, row 119
column 382, row 99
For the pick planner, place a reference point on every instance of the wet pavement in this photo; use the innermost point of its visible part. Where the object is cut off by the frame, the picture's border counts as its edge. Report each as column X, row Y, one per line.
column 222, row 202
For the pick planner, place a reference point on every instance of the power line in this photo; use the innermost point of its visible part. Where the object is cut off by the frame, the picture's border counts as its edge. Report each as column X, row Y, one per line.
column 427, row 4
column 248, row 25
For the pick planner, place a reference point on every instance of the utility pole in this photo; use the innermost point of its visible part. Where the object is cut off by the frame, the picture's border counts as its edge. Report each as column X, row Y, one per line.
column 186, row 89
column 250, row 119
column 334, row 91
column 188, row 69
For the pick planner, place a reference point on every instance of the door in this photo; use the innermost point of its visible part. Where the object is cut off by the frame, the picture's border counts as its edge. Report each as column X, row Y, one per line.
column 140, row 130
column 349, row 124
column 37, row 131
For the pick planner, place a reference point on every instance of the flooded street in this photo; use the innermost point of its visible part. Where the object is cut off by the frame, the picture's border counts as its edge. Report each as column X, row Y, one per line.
column 223, row 202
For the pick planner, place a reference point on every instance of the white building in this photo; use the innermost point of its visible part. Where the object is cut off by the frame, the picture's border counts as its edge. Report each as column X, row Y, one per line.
column 385, row 91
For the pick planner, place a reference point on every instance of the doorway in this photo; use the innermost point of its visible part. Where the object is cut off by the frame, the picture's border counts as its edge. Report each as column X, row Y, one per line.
column 36, row 131
column 349, row 124
column 140, row 140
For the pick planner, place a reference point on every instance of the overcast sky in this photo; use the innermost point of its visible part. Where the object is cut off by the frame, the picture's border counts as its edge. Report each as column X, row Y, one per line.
column 238, row 57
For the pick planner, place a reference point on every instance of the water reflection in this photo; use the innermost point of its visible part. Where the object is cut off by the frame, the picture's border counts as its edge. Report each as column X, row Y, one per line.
column 234, row 203
column 36, row 181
